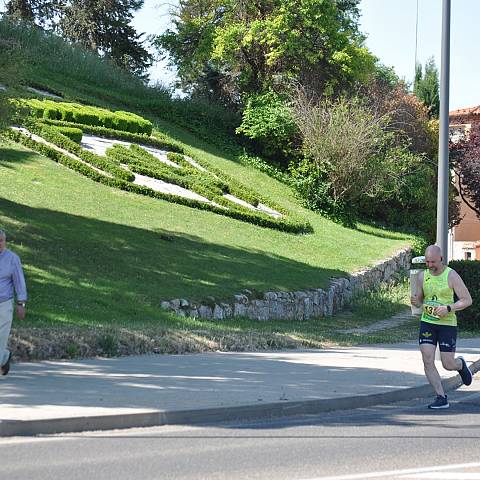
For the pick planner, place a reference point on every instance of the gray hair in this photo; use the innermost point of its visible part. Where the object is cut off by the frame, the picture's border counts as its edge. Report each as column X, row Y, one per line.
column 3, row 234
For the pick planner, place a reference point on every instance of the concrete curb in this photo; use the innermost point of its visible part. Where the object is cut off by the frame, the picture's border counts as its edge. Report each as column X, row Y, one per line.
column 9, row 428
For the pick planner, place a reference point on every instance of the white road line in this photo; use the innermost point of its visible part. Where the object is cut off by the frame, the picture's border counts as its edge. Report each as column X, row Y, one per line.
column 390, row 473
column 445, row 476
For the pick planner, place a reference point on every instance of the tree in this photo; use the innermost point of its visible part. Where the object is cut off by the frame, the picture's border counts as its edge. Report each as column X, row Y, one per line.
column 261, row 45
column 104, row 26
column 427, row 87
column 465, row 156
column 40, row 11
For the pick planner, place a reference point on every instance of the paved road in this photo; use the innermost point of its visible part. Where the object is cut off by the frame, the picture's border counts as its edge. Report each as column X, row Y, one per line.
column 401, row 441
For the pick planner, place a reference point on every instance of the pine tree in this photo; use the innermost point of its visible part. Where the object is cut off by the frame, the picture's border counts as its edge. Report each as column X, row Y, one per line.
column 427, row 87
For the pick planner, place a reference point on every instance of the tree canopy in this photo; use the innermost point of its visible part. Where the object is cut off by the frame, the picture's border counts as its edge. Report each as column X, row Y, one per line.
column 230, row 48
column 427, row 87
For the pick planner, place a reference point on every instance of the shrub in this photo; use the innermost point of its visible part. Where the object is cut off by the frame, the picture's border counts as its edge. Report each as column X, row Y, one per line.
column 160, row 141
column 74, row 134
column 88, row 115
column 469, row 270
column 268, row 121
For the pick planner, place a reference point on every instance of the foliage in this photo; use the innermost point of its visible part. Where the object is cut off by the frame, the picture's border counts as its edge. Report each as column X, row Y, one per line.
column 268, row 121
column 408, row 116
column 230, row 49
column 270, row 169
column 87, row 115
column 465, row 156
column 105, row 26
column 102, row 26
column 121, row 178
column 344, row 145
column 73, row 72
column 469, row 270
column 41, row 11
column 161, row 141
column 11, row 74
column 72, row 133
column 427, row 87
column 357, row 166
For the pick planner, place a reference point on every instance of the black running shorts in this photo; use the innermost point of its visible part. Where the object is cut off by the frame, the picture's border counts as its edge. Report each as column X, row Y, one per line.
column 443, row 335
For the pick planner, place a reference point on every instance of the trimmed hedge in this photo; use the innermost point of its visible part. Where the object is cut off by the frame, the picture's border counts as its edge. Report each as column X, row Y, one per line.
column 88, row 115
column 52, row 135
column 74, row 134
column 162, row 142
column 469, row 270
column 256, row 218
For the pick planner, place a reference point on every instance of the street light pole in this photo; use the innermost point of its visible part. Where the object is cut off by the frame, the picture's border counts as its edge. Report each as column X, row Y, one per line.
column 443, row 168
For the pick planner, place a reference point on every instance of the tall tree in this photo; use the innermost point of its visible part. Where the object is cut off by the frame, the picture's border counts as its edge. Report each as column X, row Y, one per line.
column 256, row 45
column 427, row 86
column 104, row 26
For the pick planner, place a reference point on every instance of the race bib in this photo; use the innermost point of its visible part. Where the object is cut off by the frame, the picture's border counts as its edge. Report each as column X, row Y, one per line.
column 429, row 308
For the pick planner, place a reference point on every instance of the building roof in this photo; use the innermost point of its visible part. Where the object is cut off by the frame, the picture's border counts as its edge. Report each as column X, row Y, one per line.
column 465, row 111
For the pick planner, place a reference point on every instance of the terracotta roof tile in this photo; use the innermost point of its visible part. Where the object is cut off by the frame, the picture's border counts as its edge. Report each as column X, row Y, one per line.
column 466, row 111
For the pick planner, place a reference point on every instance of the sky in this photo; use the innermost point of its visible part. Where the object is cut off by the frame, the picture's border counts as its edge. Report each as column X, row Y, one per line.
column 390, row 29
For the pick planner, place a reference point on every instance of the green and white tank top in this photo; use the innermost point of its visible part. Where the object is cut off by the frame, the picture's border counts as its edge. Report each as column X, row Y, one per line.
column 436, row 292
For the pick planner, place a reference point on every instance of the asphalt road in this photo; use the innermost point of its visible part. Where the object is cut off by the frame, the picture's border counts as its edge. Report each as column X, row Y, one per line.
column 401, row 441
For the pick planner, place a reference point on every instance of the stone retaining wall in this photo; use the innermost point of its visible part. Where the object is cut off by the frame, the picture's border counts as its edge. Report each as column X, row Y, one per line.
column 300, row 305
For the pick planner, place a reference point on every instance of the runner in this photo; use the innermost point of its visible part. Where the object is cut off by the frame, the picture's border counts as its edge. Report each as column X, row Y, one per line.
column 438, row 324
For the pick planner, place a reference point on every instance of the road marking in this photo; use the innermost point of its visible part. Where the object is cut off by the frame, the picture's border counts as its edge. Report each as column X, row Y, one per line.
column 404, row 472
column 445, row 476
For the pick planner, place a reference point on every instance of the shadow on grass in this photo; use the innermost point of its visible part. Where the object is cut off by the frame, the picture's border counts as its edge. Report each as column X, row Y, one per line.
column 85, row 271
column 10, row 157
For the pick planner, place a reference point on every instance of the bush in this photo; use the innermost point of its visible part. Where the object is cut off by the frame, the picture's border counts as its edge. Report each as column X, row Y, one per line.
column 88, row 115
column 268, row 121
column 160, row 141
column 469, row 270
column 74, row 134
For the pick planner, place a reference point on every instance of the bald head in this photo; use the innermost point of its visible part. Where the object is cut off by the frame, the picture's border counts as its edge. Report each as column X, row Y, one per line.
column 434, row 259
column 433, row 250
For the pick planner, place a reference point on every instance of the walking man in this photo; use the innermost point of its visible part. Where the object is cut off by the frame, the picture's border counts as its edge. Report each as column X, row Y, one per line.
column 438, row 324
column 11, row 281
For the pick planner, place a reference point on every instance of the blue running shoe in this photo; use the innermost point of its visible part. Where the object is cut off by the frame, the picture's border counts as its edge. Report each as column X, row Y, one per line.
column 465, row 372
column 439, row 402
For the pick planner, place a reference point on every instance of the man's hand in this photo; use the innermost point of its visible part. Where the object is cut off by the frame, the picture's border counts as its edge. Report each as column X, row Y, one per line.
column 415, row 301
column 441, row 311
column 20, row 312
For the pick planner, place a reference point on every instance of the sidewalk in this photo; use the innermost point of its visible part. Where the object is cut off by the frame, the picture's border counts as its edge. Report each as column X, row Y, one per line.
column 68, row 396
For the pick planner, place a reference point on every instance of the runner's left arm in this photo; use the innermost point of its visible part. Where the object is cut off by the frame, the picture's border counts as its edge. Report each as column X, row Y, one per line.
column 463, row 295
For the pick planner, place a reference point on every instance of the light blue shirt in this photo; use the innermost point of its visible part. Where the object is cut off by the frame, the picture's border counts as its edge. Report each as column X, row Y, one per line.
column 11, row 277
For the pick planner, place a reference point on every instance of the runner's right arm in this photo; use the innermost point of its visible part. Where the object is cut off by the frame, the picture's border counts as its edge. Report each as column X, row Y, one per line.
column 417, row 297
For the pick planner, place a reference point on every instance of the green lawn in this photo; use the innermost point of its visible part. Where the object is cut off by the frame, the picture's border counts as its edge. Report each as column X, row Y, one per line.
column 98, row 259
column 96, row 255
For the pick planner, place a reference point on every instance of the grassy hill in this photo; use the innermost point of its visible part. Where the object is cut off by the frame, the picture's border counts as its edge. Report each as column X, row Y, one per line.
column 95, row 255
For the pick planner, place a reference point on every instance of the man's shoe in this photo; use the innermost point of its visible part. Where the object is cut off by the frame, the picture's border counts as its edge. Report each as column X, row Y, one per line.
column 439, row 402
column 465, row 372
column 6, row 368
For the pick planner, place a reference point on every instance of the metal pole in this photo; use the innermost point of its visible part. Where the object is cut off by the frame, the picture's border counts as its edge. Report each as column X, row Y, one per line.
column 443, row 168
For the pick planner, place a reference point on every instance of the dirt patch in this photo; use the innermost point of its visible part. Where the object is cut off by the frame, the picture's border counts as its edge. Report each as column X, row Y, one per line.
column 44, row 343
